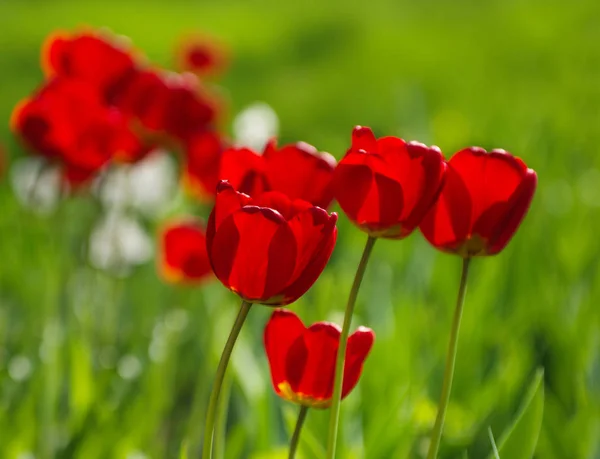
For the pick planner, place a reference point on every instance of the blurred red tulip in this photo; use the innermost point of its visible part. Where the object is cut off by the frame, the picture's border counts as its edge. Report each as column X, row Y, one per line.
column 174, row 104
column 67, row 122
column 302, row 359
column 183, row 252
column 202, row 161
column 201, row 55
column 386, row 186
column 95, row 57
column 297, row 170
column 483, row 201
column 268, row 249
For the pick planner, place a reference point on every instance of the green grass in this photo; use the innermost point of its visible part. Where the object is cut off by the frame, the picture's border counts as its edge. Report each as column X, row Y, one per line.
column 519, row 75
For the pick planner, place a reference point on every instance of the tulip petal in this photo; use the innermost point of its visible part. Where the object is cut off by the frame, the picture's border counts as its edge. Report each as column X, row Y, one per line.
column 446, row 225
column 315, row 234
column 251, row 254
column 281, row 331
column 359, row 346
column 352, row 184
column 316, row 350
column 363, row 139
column 183, row 252
column 301, row 172
column 517, row 207
column 245, row 170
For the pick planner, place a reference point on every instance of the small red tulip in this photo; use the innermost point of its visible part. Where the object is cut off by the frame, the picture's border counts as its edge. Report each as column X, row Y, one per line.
column 297, row 170
column 302, row 359
column 91, row 56
column 483, row 201
column 171, row 103
column 183, row 252
column 386, row 186
column 66, row 121
column 268, row 249
column 201, row 55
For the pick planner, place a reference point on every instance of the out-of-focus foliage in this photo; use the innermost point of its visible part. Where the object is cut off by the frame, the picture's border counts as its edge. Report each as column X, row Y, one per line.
column 94, row 365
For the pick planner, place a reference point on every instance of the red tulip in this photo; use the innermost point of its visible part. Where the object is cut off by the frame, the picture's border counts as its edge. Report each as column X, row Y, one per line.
column 297, row 170
column 201, row 55
column 67, row 122
column 174, row 104
column 96, row 58
column 302, row 359
column 268, row 249
column 483, row 201
column 386, row 186
column 183, row 252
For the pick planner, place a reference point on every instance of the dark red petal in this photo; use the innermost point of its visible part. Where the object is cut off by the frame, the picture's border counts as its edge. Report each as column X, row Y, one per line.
column 282, row 329
column 310, row 364
column 188, row 109
column 424, row 185
column 245, row 170
column 183, row 251
column 315, row 234
column 391, row 201
column 359, row 346
column 301, row 172
column 363, row 139
column 517, row 207
column 446, row 226
column 228, row 201
column 352, row 184
column 283, row 252
column 259, row 248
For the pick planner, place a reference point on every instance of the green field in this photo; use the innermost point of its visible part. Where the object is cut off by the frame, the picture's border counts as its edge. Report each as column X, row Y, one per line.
column 98, row 366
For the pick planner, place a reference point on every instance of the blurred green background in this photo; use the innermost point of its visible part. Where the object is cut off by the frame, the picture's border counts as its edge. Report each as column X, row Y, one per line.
column 98, row 366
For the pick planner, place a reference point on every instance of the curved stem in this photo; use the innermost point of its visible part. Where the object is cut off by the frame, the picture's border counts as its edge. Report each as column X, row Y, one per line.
column 296, row 436
column 436, row 436
column 339, row 363
column 216, row 390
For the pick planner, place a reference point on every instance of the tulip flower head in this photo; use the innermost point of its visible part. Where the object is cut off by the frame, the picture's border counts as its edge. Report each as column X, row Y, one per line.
column 97, row 57
column 201, row 55
column 386, row 186
column 483, row 201
column 302, row 359
column 268, row 249
column 183, row 252
column 298, row 170
column 66, row 122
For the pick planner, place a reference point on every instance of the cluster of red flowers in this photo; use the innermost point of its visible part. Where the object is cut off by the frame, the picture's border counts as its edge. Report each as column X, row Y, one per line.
column 101, row 102
column 269, row 236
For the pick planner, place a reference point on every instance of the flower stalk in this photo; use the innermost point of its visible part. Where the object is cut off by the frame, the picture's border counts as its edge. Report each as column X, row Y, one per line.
column 436, row 436
column 339, row 364
column 213, row 403
column 298, row 429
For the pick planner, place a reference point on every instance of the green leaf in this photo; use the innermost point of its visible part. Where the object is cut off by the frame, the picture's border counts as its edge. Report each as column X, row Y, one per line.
column 520, row 438
column 493, row 442
column 183, row 451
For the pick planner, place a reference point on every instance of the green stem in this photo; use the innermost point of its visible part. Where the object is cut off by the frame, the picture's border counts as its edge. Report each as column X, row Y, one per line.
column 213, row 403
column 296, row 437
column 436, row 436
column 339, row 363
